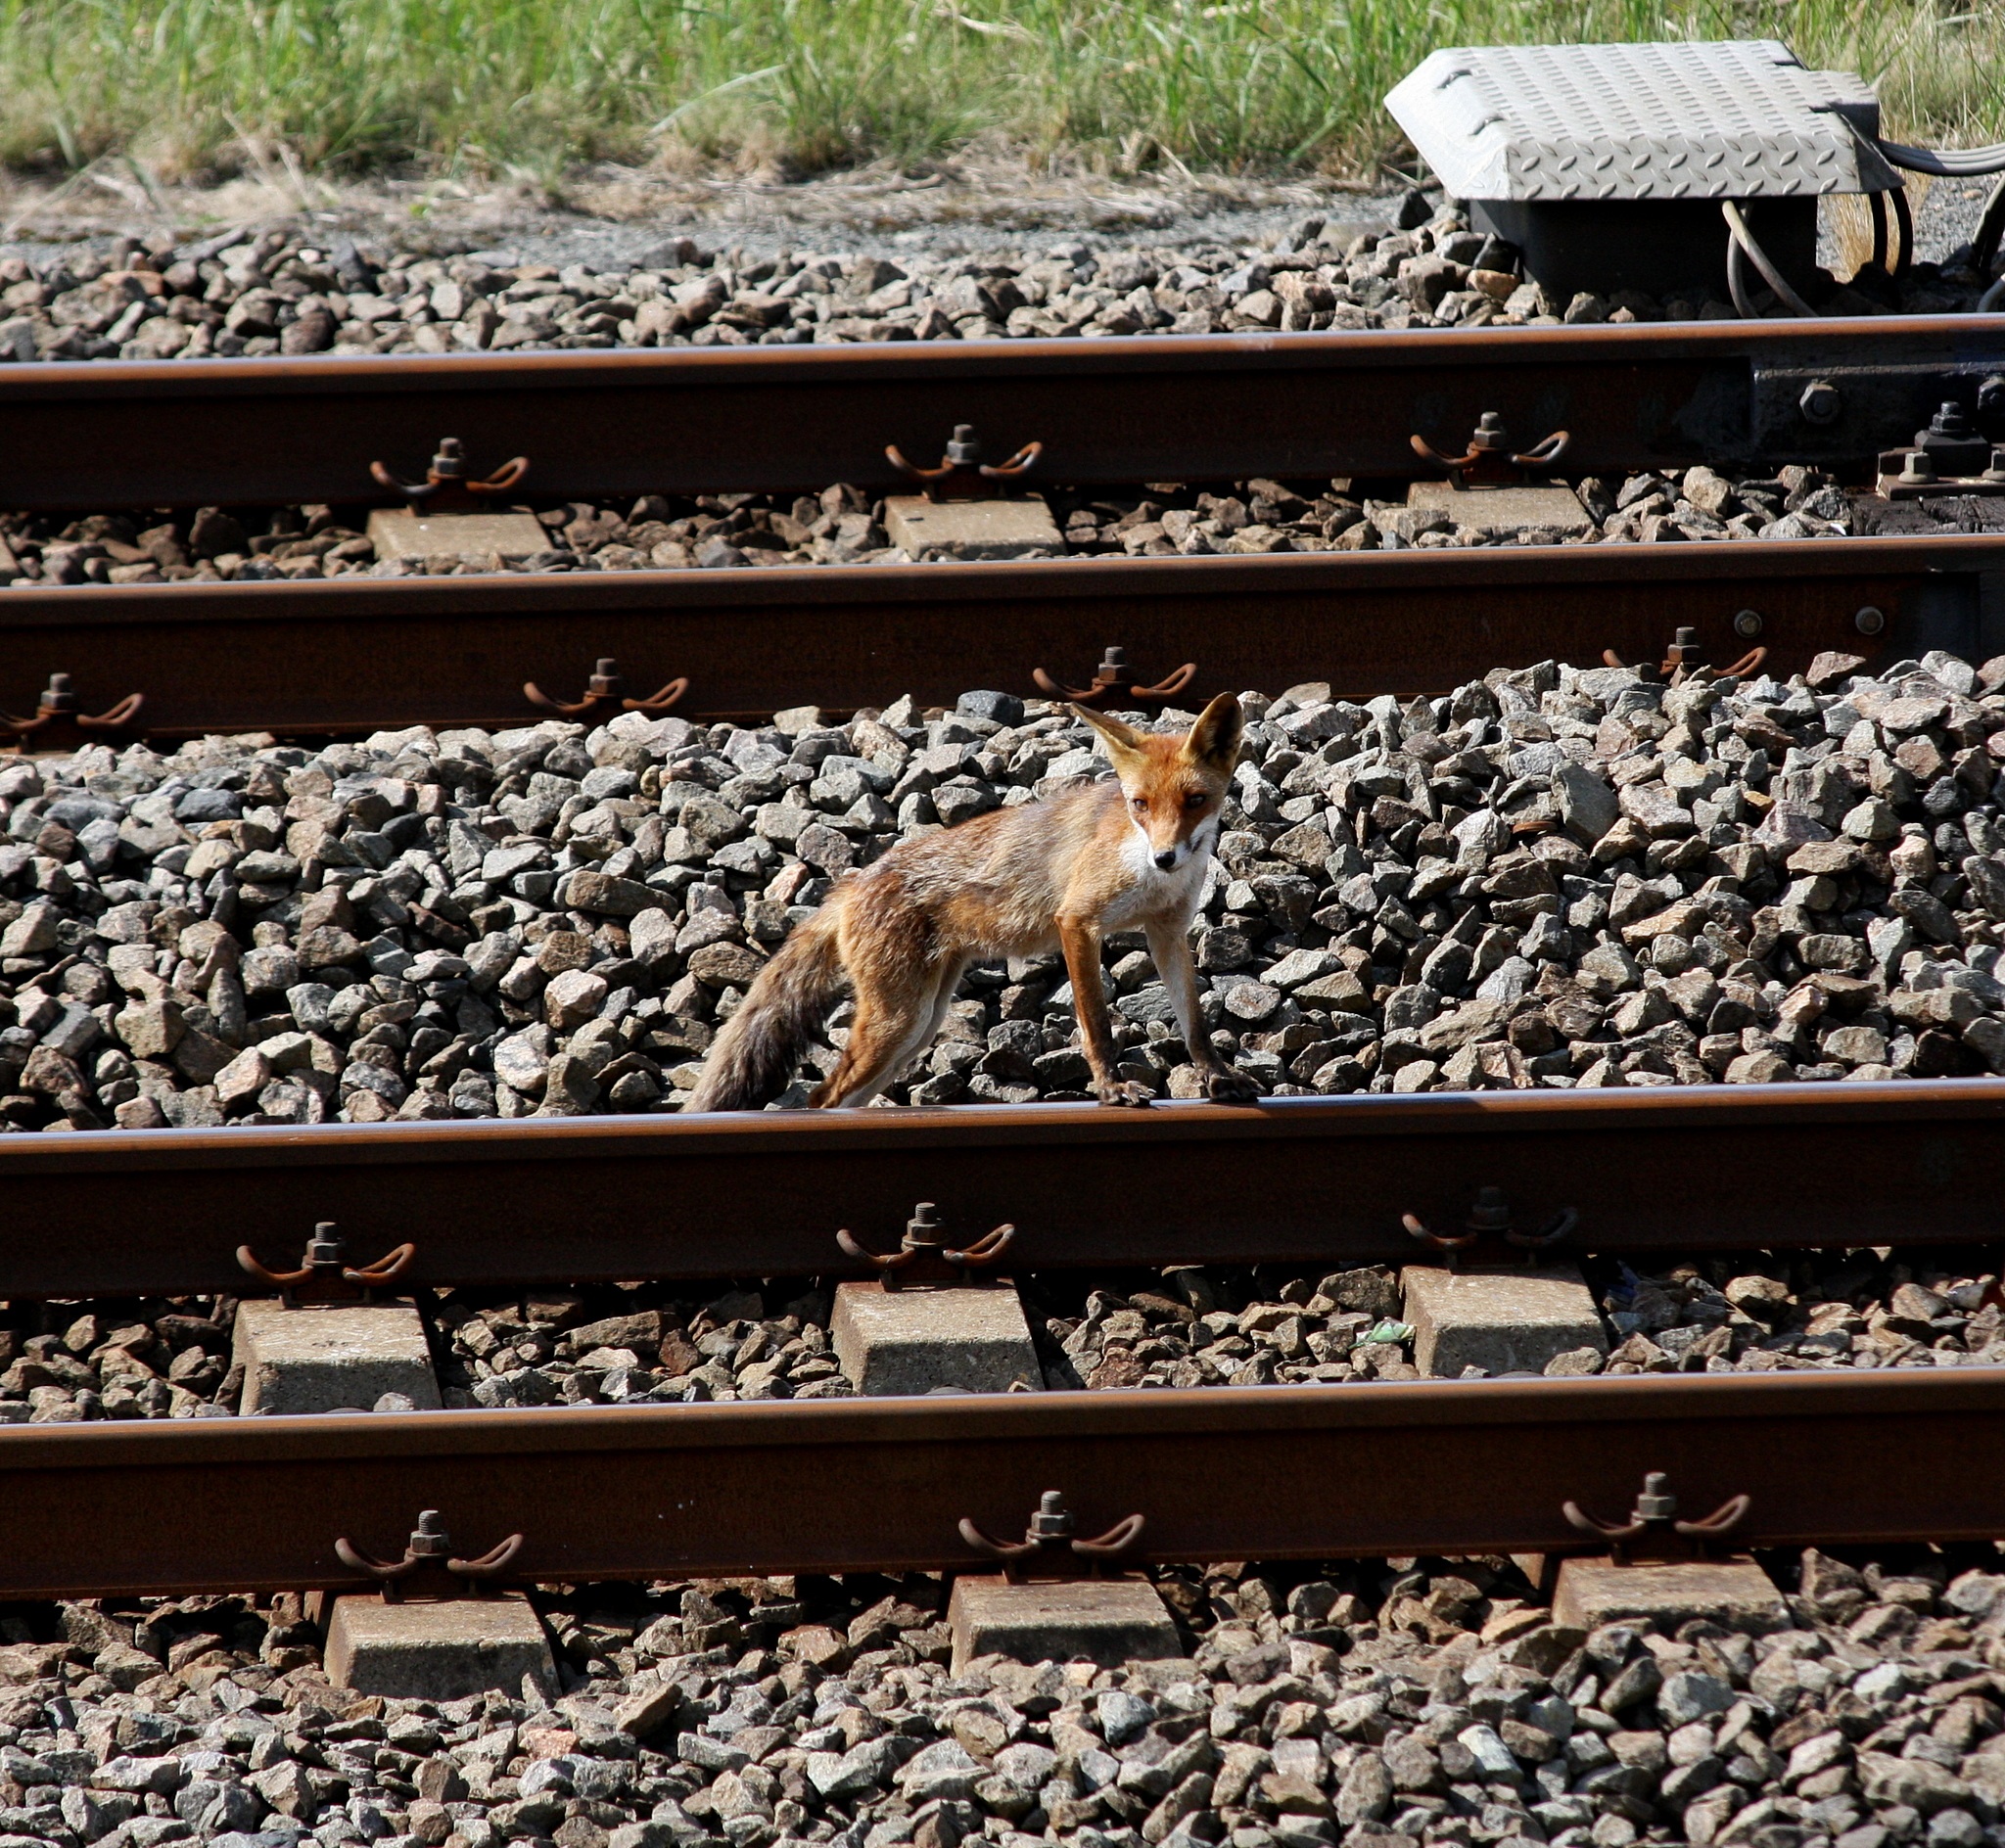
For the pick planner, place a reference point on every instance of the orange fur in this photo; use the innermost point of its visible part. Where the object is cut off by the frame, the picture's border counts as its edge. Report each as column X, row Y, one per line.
column 1125, row 855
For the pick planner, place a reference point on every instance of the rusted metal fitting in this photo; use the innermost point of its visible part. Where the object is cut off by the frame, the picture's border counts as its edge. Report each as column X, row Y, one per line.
column 602, row 694
column 1489, row 461
column 1114, row 681
column 1951, row 456
column 1652, row 1532
column 61, row 725
column 324, row 1276
column 922, row 1256
column 445, row 487
column 962, row 474
column 1685, row 658
column 1050, row 1548
column 1489, row 1221
column 428, row 1565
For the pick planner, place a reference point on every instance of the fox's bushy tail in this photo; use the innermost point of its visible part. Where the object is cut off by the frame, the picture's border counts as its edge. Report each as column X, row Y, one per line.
column 753, row 1058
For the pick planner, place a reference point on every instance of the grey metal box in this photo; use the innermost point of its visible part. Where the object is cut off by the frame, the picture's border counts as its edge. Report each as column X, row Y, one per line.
column 1605, row 163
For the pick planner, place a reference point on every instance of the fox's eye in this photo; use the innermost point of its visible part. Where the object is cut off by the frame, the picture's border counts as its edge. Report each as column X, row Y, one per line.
column 1196, row 799
column 1138, row 804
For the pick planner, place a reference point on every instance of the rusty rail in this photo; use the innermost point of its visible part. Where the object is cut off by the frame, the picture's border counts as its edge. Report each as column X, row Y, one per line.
column 1309, row 1180
column 1247, row 1474
column 95, row 433
column 357, row 654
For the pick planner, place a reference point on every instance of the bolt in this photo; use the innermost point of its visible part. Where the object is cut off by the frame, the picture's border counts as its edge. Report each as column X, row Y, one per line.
column 1491, row 1212
column 964, row 445
column 430, row 1541
column 326, row 1248
column 1490, row 433
column 1822, row 402
column 1748, row 625
column 1052, row 1519
column 1916, row 466
column 924, row 1227
column 1991, row 397
column 1869, row 621
column 1656, row 1503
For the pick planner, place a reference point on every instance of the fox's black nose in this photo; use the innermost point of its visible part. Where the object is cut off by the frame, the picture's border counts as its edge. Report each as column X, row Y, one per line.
column 1166, row 858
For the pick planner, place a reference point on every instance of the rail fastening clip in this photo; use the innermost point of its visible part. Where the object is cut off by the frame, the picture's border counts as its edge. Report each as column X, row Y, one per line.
column 60, row 723
column 1050, row 1549
column 962, row 474
column 324, row 1276
column 602, row 694
column 1652, row 1532
column 445, row 487
column 1490, row 1218
column 1685, row 660
column 428, row 1560
column 922, row 1256
column 1490, row 460
column 1114, row 681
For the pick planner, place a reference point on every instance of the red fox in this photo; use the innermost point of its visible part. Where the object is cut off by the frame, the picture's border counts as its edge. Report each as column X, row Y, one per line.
column 1014, row 882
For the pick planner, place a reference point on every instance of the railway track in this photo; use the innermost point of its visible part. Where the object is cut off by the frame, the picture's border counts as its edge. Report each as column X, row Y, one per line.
column 1653, row 1174
column 1876, row 1459
column 86, row 436
column 364, row 654
column 1262, row 1473
column 360, row 655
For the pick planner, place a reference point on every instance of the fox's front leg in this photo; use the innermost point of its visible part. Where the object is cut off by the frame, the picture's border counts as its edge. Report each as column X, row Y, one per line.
column 1169, row 943
column 1081, row 942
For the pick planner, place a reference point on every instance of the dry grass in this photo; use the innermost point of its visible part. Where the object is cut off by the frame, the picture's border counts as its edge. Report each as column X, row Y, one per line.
column 186, row 87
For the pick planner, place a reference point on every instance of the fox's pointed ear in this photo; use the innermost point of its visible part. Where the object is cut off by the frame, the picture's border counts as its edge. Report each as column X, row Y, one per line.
column 1215, row 738
column 1123, row 742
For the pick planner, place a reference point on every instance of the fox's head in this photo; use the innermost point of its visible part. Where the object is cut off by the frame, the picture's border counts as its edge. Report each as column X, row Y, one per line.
column 1174, row 785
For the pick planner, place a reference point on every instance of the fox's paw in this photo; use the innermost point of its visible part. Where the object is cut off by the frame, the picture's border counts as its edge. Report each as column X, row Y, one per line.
column 1128, row 1095
column 1231, row 1088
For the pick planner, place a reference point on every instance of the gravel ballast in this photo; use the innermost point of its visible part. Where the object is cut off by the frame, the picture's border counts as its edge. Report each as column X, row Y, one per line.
column 1378, row 1703
column 73, row 1362
column 1554, row 878
column 287, row 291
column 844, row 525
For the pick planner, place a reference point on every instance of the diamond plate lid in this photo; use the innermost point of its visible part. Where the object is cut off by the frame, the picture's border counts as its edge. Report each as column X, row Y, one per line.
column 1739, row 120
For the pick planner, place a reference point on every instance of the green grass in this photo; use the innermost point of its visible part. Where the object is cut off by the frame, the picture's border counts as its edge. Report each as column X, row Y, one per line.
column 484, row 87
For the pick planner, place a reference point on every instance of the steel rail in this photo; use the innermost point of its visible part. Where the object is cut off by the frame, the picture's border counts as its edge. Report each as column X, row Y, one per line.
column 355, row 655
column 91, row 435
column 842, row 1486
column 1300, row 1180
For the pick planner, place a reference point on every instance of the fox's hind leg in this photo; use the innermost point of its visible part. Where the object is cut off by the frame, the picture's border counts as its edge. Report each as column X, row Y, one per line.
column 893, row 1023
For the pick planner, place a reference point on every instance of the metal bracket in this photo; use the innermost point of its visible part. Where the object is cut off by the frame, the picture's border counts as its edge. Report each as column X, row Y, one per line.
column 1113, row 681
column 1834, row 414
column 60, row 726
column 602, row 694
column 1049, row 1546
column 1683, row 660
column 1951, row 456
column 1652, row 1532
column 324, row 1276
column 922, row 1256
column 1489, row 461
column 445, row 487
column 962, row 474
column 1489, row 1219
column 428, row 1561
